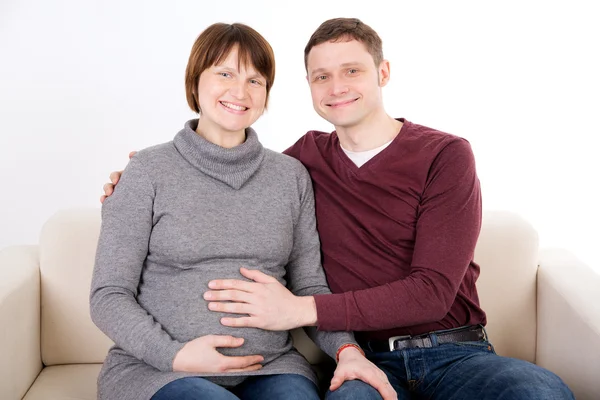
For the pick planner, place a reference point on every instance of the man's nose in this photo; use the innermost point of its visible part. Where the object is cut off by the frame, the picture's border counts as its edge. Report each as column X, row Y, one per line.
column 338, row 87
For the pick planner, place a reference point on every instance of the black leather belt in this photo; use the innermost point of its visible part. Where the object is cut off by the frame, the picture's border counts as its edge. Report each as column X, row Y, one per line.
column 466, row 334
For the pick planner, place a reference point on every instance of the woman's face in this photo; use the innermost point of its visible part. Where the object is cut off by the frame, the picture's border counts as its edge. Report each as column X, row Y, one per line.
column 231, row 98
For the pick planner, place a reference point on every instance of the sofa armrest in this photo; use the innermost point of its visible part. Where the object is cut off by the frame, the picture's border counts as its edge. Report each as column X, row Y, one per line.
column 20, row 360
column 568, row 333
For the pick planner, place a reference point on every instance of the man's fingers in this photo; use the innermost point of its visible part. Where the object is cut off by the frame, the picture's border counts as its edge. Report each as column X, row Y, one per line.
column 241, row 322
column 230, row 308
column 235, row 284
column 115, row 176
column 336, row 382
column 381, row 384
column 102, row 198
column 230, row 295
column 108, row 189
column 257, row 276
column 386, row 390
column 131, row 154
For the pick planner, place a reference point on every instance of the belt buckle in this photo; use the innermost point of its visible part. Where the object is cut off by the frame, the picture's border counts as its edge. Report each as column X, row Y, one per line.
column 393, row 339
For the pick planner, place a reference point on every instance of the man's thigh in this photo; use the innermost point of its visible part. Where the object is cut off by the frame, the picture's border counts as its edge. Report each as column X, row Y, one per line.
column 487, row 376
column 277, row 387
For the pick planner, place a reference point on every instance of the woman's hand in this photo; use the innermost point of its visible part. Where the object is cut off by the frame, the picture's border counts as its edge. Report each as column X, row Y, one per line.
column 200, row 356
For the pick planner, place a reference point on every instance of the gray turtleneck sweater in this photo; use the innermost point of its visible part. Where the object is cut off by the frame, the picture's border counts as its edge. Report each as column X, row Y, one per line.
column 184, row 213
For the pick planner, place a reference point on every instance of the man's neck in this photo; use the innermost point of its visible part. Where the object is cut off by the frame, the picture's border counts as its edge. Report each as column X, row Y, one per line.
column 373, row 132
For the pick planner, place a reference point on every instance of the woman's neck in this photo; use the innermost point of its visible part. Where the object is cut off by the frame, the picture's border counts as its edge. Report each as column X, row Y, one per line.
column 219, row 136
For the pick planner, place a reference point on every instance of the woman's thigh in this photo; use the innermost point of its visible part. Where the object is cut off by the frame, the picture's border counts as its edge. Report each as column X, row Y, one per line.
column 193, row 388
column 277, row 387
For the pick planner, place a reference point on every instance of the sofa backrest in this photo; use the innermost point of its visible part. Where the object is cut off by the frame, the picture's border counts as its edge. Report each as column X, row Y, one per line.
column 506, row 252
column 67, row 254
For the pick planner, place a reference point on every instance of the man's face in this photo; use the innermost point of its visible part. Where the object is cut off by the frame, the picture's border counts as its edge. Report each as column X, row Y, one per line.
column 344, row 82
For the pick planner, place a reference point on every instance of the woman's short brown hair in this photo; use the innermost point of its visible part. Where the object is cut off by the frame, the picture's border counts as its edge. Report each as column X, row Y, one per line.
column 213, row 46
column 346, row 29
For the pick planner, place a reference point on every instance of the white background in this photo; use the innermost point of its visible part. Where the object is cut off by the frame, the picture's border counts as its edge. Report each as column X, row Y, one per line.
column 84, row 82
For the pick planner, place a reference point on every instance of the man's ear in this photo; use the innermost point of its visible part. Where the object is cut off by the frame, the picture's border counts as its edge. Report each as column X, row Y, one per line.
column 384, row 73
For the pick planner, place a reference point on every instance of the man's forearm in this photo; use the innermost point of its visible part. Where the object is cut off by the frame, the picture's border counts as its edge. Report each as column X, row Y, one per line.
column 307, row 311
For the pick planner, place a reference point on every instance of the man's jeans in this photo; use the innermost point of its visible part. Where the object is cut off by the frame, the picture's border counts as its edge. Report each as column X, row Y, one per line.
column 272, row 387
column 465, row 371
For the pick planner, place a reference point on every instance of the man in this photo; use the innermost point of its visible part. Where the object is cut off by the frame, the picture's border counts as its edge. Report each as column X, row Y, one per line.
column 399, row 211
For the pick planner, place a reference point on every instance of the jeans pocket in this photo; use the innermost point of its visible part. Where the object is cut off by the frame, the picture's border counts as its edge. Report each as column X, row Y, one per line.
column 478, row 345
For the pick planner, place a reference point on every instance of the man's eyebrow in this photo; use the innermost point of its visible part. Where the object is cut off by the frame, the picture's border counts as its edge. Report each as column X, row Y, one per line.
column 317, row 71
column 344, row 65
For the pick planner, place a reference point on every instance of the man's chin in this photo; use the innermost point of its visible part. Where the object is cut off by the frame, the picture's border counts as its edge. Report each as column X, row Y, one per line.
column 341, row 123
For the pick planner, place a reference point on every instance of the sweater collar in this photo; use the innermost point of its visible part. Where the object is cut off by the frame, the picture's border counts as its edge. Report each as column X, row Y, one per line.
column 234, row 166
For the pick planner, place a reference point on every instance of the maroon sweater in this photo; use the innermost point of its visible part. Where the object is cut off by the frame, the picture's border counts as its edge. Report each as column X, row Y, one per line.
column 397, row 234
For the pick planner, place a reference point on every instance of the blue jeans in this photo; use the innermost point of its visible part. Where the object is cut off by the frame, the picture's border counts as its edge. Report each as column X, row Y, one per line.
column 276, row 387
column 465, row 371
column 285, row 386
column 353, row 390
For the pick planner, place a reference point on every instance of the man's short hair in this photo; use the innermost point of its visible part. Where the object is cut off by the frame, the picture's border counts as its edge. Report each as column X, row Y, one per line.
column 346, row 29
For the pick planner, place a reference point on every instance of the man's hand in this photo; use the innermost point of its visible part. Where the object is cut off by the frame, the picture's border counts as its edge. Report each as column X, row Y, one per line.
column 268, row 304
column 201, row 355
column 353, row 365
column 114, row 178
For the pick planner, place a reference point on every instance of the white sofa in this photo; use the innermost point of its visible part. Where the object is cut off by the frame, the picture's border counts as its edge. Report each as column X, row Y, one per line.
column 543, row 307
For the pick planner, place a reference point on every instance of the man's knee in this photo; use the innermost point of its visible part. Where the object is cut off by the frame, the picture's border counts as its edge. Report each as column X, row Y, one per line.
column 354, row 390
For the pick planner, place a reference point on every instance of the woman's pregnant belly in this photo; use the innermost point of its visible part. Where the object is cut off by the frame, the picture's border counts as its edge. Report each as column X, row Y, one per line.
column 176, row 302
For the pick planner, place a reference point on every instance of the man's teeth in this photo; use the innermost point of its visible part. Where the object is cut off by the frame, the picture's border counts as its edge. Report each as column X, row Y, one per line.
column 234, row 106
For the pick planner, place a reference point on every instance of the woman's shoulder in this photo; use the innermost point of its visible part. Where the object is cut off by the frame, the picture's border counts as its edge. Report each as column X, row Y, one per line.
column 159, row 153
column 285, row 163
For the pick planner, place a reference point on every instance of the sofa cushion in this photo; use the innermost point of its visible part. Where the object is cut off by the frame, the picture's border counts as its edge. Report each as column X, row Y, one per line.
column 65, row 382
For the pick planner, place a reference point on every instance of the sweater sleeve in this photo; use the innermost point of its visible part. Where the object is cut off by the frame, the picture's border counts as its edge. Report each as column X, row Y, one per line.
column 305, row 274
column 120, row 256
column 447, row 228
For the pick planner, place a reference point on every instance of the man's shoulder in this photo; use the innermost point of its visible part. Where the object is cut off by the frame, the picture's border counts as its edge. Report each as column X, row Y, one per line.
column 428, row 135
column 309, row 141
column 424, row 139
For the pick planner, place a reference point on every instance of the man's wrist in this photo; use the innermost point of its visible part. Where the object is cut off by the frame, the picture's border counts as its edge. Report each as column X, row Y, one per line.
column 308, row 315
column 348, row 349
